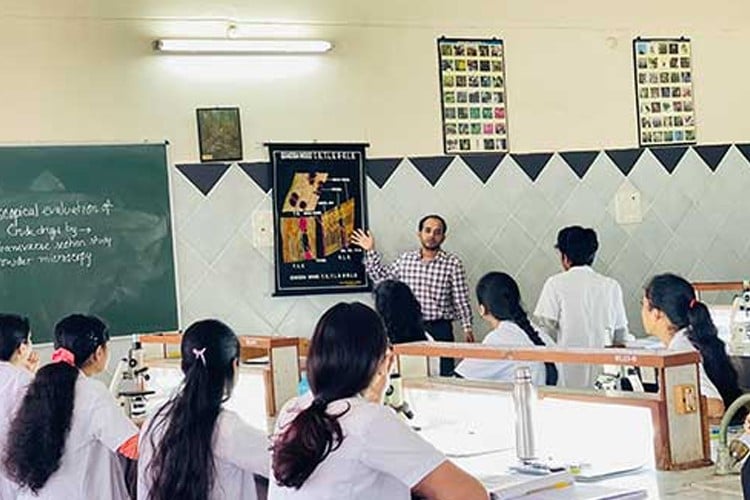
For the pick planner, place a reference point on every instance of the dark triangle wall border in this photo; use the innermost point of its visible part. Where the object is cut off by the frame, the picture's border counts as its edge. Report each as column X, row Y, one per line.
column 483, row 166
column 260, row 173
column 712, row 154
column 432, row 168
column 669, row 157
column 532, row 164
column 624, row 159
column 580, row 161
column 744, row 149
column 203, row 176
column 381, row 169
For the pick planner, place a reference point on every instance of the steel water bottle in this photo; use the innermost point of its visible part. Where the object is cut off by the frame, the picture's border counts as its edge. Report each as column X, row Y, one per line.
column 524, row 400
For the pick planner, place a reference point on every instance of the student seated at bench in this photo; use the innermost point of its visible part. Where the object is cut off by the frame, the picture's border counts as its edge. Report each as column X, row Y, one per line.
column 340, row 442
column 500, row 306
column 193, row 448
column 67, row 436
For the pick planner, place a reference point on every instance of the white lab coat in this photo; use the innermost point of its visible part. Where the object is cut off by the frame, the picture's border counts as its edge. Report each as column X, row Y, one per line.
column 381, row 457
column 588, row 308
column 240, row 452
column 680, row 342
column 90, row 467
column 13, row 384
column 507, row 334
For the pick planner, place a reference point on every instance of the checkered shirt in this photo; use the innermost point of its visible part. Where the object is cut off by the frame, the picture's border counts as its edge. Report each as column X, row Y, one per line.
column 438, row 284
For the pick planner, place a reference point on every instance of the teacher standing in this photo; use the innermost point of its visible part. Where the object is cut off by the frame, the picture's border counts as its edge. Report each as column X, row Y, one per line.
column 436, row 277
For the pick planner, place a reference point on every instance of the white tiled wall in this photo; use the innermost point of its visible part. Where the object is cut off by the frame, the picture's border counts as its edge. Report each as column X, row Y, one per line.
column 694, row 223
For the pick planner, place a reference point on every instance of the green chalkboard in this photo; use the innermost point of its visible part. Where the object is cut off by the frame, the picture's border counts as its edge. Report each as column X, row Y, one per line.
column 87, row 229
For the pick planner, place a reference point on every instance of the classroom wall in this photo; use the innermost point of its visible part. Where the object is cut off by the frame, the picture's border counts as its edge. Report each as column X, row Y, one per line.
column 83, row 72
column 691, row 225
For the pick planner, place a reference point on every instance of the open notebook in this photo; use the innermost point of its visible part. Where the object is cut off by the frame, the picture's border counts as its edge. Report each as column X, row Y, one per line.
column 555, row 486
column 515, row 485
column 597, row 471
column 589, row 492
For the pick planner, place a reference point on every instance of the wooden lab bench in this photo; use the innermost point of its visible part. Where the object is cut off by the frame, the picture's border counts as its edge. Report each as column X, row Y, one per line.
column 678, row 412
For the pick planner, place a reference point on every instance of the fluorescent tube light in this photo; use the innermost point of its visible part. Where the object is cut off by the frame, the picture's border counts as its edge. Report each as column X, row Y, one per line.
column 234, row 46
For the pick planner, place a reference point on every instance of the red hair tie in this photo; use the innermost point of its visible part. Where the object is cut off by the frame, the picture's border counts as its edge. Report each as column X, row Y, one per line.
column 692, row 303
column 62, row 355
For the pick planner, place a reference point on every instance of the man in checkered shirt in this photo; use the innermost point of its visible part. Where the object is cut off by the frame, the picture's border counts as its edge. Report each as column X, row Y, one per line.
column 436, row 278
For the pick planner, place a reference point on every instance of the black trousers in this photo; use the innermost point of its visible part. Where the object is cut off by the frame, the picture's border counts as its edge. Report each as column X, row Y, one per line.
column 442, row 331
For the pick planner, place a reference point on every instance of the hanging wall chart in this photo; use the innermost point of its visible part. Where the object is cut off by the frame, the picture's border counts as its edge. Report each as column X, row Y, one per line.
column 664, row 91
column 473, row 95
column 318, row 200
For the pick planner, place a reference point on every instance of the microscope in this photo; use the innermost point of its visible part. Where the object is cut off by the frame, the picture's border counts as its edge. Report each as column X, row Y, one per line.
column 739, row 322
column 619, row 378
column 128, row 383
column 394, row 397
column 615, row 377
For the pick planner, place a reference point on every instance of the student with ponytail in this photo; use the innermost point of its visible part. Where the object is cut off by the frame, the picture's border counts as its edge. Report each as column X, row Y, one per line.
column 340, row 442
column 18, row 362
column 66, row 437
column 672, row 312
column 500, row 305
column 193, row 448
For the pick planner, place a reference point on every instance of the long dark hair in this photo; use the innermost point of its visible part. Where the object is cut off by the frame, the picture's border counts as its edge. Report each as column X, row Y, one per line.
column 348, row 344
column 14, row 331
column 38, row 432
column 183, row 463
column 400, row 311
column 500, row 296
column 675, row 297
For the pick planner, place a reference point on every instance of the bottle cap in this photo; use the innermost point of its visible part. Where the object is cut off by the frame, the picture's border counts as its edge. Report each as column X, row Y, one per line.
column 523, row 374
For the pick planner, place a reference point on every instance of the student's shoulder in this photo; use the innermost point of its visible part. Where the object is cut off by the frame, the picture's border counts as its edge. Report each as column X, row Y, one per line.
column 229, row 418
column 231, row 426
column 355, row 408
column 232, row 420
column 608, row 281
column 14, row 374
column 556, row 280
column 93, row 389
column 374, row 414
column 508, row 334
column 92, row 385
column 291, row 409
column 359, row 416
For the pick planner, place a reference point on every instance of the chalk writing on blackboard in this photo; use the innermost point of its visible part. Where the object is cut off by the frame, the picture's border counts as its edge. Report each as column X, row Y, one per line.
column 55, row 233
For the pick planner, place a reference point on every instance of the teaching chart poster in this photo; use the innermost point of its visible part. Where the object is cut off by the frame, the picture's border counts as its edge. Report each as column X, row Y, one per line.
column 473, row 95
column 318, row 200
column 664, row 91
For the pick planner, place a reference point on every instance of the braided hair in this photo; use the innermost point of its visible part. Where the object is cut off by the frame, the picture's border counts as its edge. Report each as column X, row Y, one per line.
column 499, row 294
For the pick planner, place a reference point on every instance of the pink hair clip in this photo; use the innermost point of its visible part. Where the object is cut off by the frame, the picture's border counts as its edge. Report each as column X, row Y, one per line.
column 62, row 355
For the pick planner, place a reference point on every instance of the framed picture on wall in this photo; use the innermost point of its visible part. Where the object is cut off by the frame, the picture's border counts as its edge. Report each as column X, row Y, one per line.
column 473, row 97
column 219, row 134
column 318, row 201
column 664, row 91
